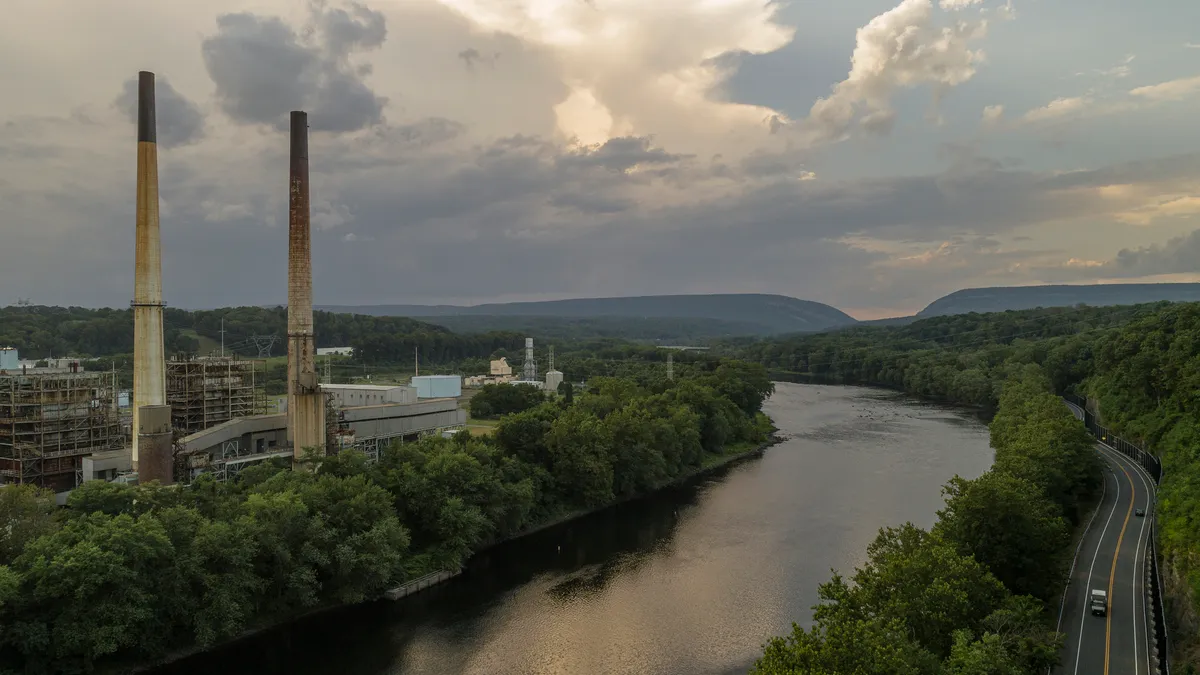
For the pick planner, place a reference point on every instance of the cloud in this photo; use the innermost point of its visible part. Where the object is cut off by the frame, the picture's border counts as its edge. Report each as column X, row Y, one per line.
column 993, row 115
column 1093, row 104
column 1058, row 110
column 636, row 68
column 1178, row 255
column 1173, row 90
column 179, row 121
column 263, row 68
column 958, row 4
column 898, row 49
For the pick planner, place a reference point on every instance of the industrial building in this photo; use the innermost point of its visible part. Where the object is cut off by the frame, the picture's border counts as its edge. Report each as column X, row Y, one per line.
column 352, row 395
column 50, row 421
column 499, row 373
column 228, row 448
column 438, row 386
column 9, row 359
column 207, row 391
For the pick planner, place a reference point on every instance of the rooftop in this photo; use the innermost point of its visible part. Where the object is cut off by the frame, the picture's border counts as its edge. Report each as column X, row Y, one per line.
column 366, row 387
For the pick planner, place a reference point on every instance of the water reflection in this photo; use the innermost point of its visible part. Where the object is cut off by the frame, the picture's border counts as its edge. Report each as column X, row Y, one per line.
column 690, row 581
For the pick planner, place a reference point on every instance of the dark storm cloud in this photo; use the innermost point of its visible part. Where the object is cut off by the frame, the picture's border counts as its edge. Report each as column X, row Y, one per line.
column 1179, row 255
column 262, row 68
column 179, row 120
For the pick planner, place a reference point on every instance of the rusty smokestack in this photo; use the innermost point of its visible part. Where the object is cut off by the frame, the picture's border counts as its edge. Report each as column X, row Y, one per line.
column 155, row 442
column 149, row 369
column 306, row 409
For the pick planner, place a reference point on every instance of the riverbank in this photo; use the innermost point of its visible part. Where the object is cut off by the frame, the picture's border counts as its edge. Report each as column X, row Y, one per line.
column 712, row 463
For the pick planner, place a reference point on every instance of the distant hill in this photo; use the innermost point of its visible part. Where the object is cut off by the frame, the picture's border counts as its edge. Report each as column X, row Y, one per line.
column 984, row 300
column 754, row 313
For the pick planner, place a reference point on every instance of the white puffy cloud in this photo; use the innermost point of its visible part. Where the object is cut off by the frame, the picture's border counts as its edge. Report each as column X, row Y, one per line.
column 901, row 48
column 634, row 67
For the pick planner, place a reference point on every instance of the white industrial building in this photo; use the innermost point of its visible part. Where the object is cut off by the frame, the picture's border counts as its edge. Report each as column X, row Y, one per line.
column 9, row 359
column 553, row 379
column 353, row 395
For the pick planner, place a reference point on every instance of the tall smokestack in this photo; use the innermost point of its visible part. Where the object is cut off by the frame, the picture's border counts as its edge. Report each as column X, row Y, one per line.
column 149, row 370
column 306, row 405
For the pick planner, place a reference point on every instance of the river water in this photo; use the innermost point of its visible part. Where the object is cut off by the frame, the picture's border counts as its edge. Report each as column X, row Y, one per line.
column 690, row 581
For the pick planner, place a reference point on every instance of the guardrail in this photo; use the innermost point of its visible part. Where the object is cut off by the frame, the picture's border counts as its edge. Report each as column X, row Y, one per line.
column 1153, row 466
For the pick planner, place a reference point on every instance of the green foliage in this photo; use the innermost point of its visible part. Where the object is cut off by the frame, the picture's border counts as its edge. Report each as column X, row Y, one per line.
column 1007, row 524
column 494, row 400
column 964, row 358
column 26, row 513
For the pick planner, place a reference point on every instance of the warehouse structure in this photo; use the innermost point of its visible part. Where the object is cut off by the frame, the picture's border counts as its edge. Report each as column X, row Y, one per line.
column 50, row 421
column 228, row 448
column 353, row 395
column 207, row 391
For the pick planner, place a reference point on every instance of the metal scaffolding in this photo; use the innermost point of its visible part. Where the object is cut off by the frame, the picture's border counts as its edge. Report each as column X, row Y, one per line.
column 50, row 421
column 207, row 391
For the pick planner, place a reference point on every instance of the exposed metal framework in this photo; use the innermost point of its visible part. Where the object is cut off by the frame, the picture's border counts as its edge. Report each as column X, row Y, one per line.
column 50, row 421
column 204, row 392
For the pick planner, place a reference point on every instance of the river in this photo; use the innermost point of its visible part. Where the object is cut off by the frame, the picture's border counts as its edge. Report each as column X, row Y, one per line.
column 690, row 581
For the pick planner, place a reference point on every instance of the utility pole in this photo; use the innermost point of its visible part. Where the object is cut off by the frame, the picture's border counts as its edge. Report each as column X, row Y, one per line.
column 416, row 361
column 670, row 366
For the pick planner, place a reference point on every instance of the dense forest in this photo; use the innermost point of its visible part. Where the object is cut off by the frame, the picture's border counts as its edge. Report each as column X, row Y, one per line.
column 126, row 574
column 1138, row 365
column 970, row 595
column 38, row 332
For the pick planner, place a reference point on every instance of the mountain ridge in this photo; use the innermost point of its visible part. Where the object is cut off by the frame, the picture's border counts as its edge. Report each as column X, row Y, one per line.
column 772, row 313
column 1004, row 298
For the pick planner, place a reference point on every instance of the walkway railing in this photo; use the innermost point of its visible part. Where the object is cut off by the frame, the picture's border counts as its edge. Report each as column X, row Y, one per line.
column 1153, row 466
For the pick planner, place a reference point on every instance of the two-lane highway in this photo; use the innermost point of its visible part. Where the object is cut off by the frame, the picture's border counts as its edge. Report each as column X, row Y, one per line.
column 1112, row 558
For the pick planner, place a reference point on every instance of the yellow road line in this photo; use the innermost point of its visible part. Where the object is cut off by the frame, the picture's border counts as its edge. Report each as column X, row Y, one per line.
column 1113, row 574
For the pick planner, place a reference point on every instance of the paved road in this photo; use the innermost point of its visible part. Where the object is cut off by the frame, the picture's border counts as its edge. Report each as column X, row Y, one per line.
column 1111, row 557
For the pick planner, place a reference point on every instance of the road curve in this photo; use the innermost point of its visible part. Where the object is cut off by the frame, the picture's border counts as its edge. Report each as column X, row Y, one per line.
column 1111, row 557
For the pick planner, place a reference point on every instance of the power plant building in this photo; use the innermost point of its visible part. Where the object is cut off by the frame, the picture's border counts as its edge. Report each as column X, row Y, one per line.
column 357, row 395
column 206, row 391
column 438, row 386
column 49, row 422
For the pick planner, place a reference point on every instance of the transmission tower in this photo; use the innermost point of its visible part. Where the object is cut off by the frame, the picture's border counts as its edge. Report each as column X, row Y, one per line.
column 551, row 365
column 670, row 366
column 264, row 343
column 530, row 369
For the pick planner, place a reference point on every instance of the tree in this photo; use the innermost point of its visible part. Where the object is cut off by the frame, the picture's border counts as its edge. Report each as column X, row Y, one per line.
column 496, row 400
column 926, row 584
column 1007, row 524
column 26, row 513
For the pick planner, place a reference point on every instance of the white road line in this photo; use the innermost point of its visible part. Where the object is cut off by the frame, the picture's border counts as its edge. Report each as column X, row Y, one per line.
column 1087, row 587
column 1062, row 603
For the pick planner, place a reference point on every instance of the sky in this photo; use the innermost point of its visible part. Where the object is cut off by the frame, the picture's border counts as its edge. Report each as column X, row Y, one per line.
column 870, row 154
